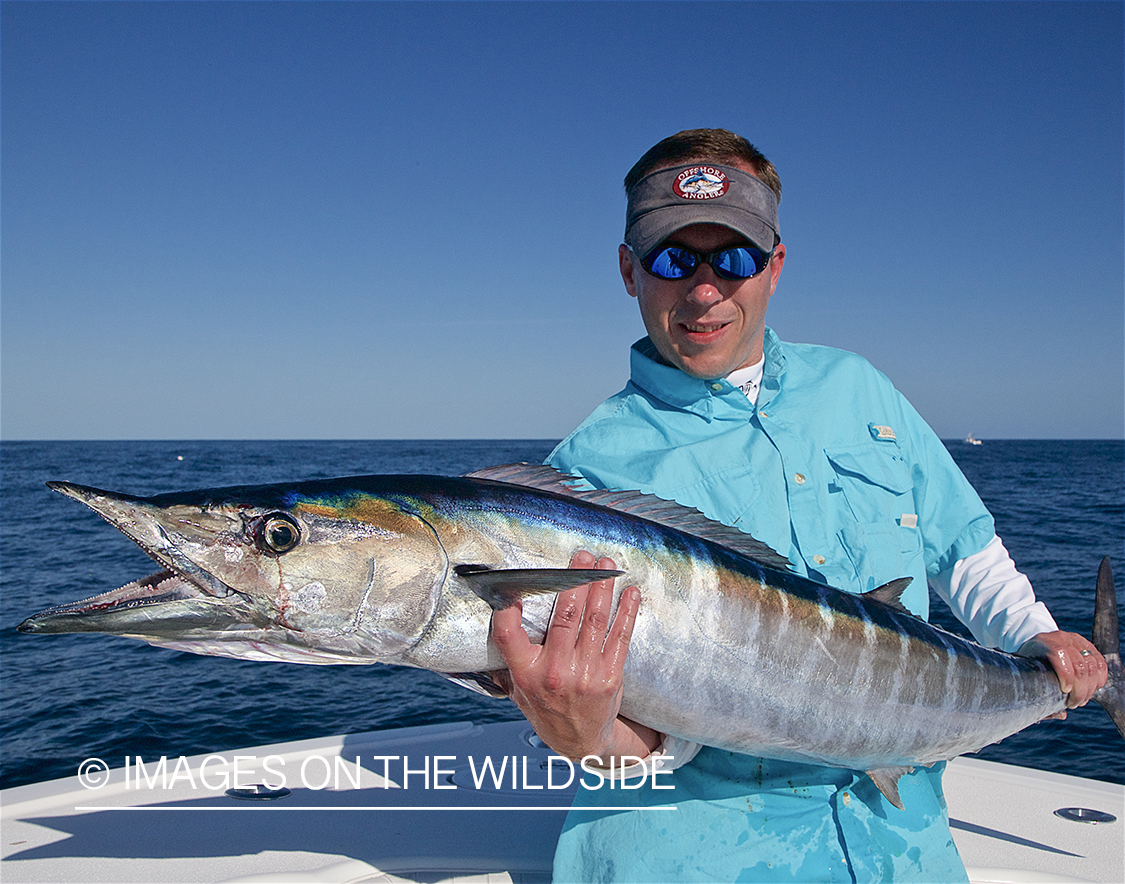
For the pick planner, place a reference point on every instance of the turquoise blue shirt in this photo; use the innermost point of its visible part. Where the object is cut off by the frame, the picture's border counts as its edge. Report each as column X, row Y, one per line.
column 833, row 468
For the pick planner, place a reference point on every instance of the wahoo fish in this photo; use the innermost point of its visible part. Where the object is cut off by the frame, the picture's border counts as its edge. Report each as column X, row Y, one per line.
column 730, row 648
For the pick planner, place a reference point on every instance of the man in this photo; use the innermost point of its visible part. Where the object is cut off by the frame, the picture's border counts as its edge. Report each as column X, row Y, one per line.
column 811, row 451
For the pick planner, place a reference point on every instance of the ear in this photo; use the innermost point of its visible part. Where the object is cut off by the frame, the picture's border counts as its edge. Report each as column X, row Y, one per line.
column 628, row 269
column 776, row 263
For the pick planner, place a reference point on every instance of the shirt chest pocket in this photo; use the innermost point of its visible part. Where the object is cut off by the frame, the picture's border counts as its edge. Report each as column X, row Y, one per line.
column 881, row 539
column 874, row 480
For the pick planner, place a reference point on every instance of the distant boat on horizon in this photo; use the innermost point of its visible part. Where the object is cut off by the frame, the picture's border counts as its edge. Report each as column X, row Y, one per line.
column 971, row 440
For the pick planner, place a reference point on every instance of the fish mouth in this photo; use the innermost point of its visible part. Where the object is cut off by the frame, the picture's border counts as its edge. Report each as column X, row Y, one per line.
column 150, row 604
column 86, row 615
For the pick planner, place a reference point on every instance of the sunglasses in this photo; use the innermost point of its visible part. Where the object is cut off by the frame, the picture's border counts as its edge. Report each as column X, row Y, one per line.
column 677, row 262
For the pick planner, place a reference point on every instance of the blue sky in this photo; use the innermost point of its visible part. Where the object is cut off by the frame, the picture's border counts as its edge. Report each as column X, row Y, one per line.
column 381, row 220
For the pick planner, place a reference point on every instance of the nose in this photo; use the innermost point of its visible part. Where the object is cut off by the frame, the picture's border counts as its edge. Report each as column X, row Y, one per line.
column 704, row 287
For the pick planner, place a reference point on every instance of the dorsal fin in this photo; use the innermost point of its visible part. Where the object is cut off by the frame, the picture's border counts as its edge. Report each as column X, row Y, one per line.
column 890, row 594
column 644, row 506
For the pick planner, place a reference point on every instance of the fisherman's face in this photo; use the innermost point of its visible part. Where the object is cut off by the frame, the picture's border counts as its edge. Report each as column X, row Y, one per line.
column 704, row 325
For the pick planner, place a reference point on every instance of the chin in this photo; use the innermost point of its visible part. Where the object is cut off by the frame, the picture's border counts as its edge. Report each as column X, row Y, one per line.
column 705, row 371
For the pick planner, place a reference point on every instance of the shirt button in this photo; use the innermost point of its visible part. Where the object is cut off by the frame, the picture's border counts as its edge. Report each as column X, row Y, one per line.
column 716, row 387
column 819, row 560
column 799, row 479
column 847, row 799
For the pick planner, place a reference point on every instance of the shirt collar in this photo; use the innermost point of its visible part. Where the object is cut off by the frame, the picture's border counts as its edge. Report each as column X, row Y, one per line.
column 774, row 368
column 668, row 384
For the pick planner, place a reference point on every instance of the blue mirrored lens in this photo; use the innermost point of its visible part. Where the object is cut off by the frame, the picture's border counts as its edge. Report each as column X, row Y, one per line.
column 738, row 263
column 674, row 263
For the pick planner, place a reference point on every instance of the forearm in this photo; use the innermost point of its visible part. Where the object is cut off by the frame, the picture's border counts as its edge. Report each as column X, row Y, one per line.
column 993, row 599
column 581, row 733
column 631, row 738
column 997, row 603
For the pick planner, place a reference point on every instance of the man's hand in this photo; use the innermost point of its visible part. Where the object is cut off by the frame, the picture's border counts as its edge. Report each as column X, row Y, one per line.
column 1079, row 666
column 570, row 686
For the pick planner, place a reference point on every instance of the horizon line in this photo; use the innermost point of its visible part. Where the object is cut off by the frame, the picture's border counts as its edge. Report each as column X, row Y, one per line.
column 503, row 439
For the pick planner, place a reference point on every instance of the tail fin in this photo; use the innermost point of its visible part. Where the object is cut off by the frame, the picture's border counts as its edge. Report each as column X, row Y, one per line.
column 1107, row 639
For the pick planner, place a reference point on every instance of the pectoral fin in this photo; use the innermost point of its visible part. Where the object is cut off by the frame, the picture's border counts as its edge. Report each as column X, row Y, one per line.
column 886, row 781
column 502, row 587
column 481, row 682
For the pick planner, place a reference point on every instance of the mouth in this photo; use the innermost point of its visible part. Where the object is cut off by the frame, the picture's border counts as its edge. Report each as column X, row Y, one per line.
column 702, row 332
column 177, row 582
column 161, row 588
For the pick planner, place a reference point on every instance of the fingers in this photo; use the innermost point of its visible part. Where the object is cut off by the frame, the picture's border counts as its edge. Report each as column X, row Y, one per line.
column 599, row 602
column 1077, row 664
column 570, row 687
column 1088, row 672
column 1083, row 673
column 567, row 620
column 617, row 642
column 580, row 625
column 511, row 639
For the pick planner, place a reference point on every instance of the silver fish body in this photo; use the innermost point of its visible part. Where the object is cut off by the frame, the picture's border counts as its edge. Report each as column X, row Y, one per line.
column 730, row 649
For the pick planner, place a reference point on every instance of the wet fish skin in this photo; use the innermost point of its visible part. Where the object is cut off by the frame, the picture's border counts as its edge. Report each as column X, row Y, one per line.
column 729, row 648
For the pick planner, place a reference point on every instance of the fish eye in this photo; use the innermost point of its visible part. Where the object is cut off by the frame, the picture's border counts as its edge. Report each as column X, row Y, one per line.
column 277, row 533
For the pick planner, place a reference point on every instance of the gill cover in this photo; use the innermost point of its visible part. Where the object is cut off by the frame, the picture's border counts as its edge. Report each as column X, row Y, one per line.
column 367, row 566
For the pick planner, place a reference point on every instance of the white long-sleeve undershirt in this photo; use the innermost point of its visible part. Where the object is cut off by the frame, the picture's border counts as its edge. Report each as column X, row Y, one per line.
column 993, row 599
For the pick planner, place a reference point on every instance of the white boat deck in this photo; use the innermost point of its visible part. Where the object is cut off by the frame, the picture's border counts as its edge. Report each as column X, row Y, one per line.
column 365, row 828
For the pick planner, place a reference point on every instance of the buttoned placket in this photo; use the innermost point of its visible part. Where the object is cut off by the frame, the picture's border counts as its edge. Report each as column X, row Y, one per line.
column 805, row 488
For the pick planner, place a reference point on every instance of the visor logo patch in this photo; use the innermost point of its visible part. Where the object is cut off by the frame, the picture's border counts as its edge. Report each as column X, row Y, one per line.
column 700, row 183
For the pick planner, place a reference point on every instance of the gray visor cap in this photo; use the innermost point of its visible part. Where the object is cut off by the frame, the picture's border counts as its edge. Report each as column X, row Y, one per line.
column 700, row 193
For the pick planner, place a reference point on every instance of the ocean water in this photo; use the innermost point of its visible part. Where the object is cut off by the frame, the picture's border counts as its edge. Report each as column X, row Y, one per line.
column 1060, row 507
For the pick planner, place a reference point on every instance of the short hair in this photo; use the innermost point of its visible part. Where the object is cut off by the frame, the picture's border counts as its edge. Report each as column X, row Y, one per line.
column 705, row 145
